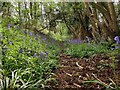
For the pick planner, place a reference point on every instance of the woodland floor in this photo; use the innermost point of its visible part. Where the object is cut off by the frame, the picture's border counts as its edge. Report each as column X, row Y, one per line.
column 74, row 71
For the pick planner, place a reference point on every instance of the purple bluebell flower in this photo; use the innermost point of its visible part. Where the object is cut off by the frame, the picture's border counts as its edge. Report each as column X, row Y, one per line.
column 21, row 50
column 112, row 49
column 18, row 27
column 3, row 52
column 116, row 47
column 27, row 61
column 41, row 55
column 88, row 40
column 46, row 57
column 10, row 25
column 8, row 28
column 117, row 39
column 31, row 33
column 47, row 53
column 35, row 54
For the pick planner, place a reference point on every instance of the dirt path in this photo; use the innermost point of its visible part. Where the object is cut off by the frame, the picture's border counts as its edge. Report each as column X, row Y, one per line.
column 74, row 71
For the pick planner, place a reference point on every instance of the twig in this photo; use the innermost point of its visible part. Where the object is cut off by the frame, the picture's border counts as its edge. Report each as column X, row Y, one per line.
column 77, row 85
column 80, row 67
column 101, row 81
column 68, row 74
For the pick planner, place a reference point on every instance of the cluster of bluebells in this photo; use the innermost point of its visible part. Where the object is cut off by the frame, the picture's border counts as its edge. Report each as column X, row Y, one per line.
column 42, row 55
column 45, row 55
column 75, row 41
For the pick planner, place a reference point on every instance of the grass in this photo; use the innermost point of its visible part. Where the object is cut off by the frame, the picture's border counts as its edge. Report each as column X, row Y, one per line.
column 86, row 50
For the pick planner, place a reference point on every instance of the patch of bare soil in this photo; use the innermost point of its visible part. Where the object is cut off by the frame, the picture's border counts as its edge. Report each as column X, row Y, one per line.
column 75, row 71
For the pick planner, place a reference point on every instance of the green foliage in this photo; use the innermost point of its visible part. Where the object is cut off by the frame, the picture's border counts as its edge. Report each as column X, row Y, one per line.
column 61, row 32
column 26, row 60
column 86, row 50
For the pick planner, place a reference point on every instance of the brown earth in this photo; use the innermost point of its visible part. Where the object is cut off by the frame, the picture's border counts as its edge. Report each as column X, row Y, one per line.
column 75, row 71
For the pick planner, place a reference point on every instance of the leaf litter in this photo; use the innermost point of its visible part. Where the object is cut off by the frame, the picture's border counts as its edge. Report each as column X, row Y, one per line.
column 94, row 73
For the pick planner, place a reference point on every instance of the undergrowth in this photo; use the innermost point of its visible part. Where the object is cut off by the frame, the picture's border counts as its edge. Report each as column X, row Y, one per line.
column 86, row 49
column 26, row 61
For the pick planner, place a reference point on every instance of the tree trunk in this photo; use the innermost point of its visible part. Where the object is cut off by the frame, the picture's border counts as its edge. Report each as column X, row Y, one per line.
column 113, row 17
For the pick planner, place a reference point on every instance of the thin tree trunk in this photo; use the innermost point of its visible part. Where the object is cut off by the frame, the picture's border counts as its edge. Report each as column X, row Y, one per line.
column 113, row 17
column 31, row 11
column 95, row 34
column 19, row 10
